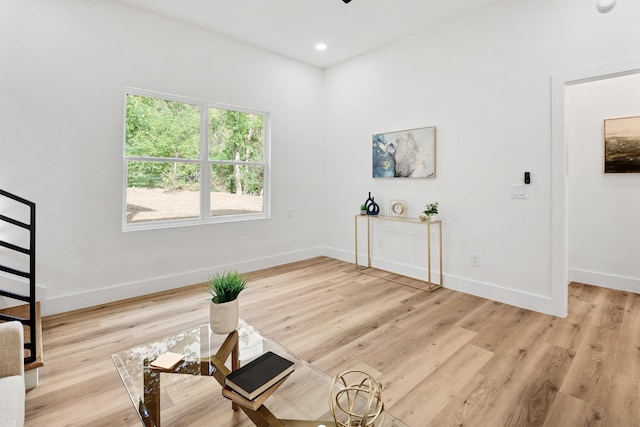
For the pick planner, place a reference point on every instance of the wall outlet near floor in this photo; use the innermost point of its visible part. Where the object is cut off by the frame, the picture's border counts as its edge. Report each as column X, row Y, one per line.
column 475, row 260
column 290, row 212
column 380, row 242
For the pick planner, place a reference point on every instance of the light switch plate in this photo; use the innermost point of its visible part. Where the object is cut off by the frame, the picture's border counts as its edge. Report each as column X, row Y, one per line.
column 518, row 192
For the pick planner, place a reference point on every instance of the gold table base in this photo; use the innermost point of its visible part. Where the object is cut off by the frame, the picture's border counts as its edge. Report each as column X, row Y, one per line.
column 376, row 272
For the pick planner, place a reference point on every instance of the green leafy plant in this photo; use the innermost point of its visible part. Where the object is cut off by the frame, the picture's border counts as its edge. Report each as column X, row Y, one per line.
column 226, row 286
column 363, row 207
column 431, row 209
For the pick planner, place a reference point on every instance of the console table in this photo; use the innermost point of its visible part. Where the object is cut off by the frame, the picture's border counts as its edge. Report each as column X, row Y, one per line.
column 372, row 271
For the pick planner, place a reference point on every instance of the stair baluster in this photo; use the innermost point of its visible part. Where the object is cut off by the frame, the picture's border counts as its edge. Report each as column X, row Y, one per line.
column 30, row 298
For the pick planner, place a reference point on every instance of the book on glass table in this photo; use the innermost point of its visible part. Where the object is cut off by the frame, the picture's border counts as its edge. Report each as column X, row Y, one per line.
column 257, row 376
column 167, row 361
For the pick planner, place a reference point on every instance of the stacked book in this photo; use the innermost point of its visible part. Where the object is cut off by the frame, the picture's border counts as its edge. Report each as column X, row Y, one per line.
column 257, row 376
column 167, row 361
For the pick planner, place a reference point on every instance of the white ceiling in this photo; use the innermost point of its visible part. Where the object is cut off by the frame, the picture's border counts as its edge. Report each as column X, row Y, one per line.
column 293, row 27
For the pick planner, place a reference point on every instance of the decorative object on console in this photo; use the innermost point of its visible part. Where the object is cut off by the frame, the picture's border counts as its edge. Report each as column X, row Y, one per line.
column 372, row 207
column 405, row 154
column 398, row 208
column 358, row 402
column 622, row 145
column 363, row 209
column 224, row 310
column 429, row 213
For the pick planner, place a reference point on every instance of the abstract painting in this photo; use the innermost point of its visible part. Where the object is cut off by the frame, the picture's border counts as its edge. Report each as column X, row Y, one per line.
column 405, row 154
column 622, row 145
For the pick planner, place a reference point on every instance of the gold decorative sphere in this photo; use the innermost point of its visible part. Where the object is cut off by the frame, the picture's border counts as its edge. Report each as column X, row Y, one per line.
column 355, row 400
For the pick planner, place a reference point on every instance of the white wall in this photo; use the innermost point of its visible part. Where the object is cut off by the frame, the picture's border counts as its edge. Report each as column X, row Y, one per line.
column 603, row 208
column 484, row 81
column 63, row 67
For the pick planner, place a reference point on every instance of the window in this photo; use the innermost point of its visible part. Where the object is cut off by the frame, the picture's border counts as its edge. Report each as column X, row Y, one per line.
column 188, row 161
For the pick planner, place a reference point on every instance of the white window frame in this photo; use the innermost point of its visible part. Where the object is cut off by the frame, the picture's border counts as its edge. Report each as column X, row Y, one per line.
column 204, row 162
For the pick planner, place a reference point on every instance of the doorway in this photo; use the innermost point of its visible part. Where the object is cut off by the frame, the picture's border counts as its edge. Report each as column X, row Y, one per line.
column 560, row 85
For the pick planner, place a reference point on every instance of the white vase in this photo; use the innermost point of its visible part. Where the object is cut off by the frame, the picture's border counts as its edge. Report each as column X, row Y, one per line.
column 223, row 317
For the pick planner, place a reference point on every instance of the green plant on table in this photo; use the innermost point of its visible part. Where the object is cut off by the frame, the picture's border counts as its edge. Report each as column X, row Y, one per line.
column 431, row 209
column 226, row 286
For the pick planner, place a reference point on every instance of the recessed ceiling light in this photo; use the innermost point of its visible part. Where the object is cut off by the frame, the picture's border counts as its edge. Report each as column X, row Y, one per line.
column 605, row 6
column 321, row 46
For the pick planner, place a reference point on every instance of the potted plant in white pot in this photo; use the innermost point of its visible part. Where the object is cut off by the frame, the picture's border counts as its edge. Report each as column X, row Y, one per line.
column 429, row 213
column 223, row 310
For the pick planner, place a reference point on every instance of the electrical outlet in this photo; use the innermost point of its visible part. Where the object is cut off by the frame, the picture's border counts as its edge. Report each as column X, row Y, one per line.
column 475, row 260
column 290, row 212
column 380, row 242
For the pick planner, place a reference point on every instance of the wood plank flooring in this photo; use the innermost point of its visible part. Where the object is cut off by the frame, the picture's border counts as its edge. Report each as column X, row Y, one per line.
column 444, row 358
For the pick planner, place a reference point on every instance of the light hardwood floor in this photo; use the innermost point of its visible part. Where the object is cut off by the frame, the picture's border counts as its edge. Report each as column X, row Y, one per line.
column 445, row 358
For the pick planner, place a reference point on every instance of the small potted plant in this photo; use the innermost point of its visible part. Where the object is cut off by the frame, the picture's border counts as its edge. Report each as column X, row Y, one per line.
column 430, row 212
column 363, row 209
column 224, row 310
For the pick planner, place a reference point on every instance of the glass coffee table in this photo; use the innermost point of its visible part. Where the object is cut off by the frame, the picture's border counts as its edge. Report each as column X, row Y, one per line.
column 191, row 393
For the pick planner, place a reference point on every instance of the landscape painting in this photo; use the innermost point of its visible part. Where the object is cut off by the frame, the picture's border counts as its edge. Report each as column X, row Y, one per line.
column 622, row 145
column 405, row 154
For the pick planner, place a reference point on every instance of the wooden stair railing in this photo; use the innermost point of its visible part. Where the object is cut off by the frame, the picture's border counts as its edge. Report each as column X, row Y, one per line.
column 28, row 314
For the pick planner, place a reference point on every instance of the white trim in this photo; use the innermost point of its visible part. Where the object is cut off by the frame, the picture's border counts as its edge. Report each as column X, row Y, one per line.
column 266, row 158
column 527, row 300
column 606, row 280
column 189, row 100
column 418, row 273
column 160, row 159
column 205, row 173
column 189, row 222
column 78, row 300
column 64, row 303
column 559, row 173
column 179, row 160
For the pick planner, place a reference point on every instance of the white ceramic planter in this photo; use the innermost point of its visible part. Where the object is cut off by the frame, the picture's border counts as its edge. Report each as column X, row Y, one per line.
column 223, row 318
column 427, row 218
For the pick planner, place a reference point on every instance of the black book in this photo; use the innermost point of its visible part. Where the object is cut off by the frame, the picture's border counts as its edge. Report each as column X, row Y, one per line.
column 258, row 375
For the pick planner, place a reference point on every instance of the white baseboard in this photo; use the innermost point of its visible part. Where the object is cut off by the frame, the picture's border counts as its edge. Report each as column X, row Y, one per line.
column 20, row 286
column 534, row 302
column 540, row 303
column 629, row 284
column 393, row 266
column 64, row 303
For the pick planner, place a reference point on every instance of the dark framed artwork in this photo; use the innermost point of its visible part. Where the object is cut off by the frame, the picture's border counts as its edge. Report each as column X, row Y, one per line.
column 405, row 154
column 622, row 145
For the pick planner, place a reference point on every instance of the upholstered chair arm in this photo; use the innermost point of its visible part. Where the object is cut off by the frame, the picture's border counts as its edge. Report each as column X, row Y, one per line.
column 11, row 349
